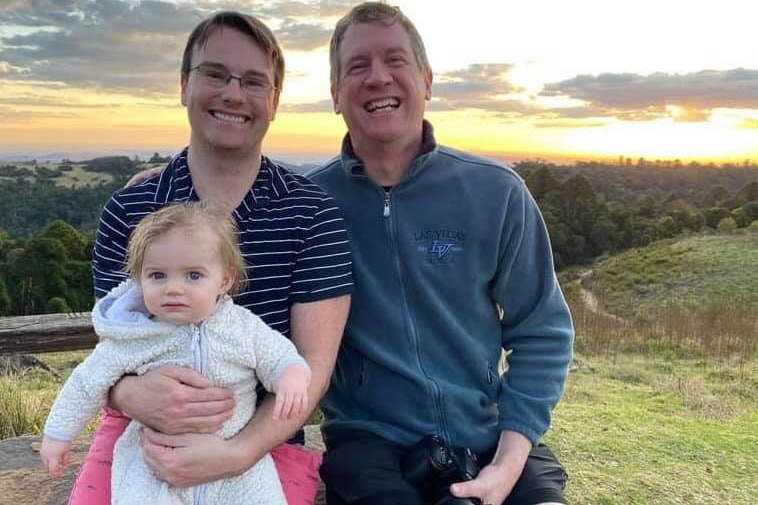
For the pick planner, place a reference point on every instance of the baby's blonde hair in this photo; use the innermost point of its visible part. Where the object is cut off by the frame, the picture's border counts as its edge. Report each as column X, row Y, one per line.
column 189, row 216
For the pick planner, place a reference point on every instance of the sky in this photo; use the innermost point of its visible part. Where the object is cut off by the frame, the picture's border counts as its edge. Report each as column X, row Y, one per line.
column 516, row 79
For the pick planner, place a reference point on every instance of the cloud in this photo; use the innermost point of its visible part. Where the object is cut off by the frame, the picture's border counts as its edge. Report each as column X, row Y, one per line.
column 685, row 97
column 293, row 35
column 479, row 86
column 131, row 47
column 11, row 115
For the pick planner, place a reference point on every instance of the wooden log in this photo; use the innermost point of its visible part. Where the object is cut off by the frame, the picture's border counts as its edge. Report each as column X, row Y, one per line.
column 46, row 333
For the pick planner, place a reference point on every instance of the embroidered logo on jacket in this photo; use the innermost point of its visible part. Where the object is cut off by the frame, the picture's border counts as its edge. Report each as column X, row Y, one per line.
column 440, row 246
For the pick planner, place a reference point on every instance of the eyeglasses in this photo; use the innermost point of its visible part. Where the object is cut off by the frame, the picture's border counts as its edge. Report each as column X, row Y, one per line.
column 218, row 76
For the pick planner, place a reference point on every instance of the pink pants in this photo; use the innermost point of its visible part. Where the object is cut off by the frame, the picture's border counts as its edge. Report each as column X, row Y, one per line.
column 297, row 467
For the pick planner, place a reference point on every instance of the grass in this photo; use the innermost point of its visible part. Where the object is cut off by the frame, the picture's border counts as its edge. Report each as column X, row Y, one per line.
column 22, row 411
column 642, row 430
column 685, row 272
column 25, row 399
column 79, row 177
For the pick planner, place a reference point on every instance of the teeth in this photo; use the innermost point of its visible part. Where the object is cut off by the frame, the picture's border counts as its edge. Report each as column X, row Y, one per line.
column 229, row 117
column 382, row 104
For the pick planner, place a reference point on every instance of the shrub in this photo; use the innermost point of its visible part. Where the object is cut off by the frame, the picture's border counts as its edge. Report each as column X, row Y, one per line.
column 727, row 225
column 22, row 412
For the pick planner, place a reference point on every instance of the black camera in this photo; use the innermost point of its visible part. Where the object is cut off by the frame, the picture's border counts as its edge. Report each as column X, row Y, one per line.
column 433, row 465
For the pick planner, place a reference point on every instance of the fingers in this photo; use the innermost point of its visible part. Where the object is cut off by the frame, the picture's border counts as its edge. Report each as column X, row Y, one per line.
column 160, row 441
column 289, row 405
column 282, row 406
column 186, row 376
column 142, row 176
column 54, row 465
column 205, row 424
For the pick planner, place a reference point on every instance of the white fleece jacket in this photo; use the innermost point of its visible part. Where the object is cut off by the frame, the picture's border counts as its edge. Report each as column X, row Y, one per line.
column 233, row 348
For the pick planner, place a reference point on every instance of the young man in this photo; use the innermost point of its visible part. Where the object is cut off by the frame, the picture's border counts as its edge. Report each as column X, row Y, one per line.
column 452, row 265
column 299, row 269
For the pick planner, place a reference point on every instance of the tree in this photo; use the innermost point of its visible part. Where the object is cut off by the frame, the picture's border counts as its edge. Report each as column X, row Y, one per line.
column 5, row 300
column 727, row 225
column 541, row 181
column 56, row 305
column 74, row 242
column 740, row 217
column 748, row 193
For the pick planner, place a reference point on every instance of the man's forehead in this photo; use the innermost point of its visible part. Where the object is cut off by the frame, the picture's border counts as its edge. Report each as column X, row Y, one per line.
column 390, row 36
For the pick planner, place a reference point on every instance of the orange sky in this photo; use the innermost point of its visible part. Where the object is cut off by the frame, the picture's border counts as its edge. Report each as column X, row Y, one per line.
column 664, row 80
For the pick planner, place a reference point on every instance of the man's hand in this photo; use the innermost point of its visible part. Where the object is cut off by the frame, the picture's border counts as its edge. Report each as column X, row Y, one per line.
column 54, row 455
column 292, row 392
column 496, row 480
column 143, row 175
column 184, row 460
column 173, row 400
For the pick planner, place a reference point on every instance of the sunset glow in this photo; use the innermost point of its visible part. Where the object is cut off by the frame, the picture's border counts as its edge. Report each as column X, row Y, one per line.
column 582, row 79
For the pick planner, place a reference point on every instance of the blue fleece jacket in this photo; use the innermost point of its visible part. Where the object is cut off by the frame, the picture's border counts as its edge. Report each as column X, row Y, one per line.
column 433, row 259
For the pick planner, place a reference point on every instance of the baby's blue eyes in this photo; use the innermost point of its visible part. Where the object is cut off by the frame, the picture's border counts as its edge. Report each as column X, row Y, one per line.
column 192, row 275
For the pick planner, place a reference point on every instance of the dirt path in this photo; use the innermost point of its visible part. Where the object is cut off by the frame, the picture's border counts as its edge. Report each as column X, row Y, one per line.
column 590, row 300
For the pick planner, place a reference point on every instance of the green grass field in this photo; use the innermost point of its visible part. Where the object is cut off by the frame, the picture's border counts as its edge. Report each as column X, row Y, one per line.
column 641, row 430
column 691, row 271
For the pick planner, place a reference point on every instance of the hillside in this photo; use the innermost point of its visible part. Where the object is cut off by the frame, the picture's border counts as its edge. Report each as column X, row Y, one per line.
column 692, row 271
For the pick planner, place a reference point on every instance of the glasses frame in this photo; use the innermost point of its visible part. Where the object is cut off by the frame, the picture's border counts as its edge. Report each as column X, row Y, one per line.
column 229, row 76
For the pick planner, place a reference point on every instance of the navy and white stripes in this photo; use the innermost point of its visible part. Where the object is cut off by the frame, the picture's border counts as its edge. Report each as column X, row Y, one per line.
column 291, row 233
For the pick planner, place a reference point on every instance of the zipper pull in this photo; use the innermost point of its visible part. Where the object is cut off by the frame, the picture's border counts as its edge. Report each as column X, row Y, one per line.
column 386, row 212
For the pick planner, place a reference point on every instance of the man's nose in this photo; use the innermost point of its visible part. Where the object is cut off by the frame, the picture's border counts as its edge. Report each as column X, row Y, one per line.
column 232, row 91
column 378, row 75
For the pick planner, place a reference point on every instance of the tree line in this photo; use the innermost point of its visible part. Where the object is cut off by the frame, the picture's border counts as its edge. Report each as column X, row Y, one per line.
column 47, row 232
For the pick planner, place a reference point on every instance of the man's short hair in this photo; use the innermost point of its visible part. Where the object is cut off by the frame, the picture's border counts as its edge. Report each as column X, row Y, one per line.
column 374, row 12
column 243, row 23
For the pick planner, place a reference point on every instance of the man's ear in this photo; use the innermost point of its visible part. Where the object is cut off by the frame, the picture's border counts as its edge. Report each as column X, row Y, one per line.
column 428, row 83
column 336, row 100
column 274, row 104
column 183, row 84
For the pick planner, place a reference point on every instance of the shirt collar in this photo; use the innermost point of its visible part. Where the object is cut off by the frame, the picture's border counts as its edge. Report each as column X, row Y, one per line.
column 270, row 183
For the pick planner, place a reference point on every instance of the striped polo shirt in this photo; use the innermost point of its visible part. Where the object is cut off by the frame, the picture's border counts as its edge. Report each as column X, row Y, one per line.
column 291, row 233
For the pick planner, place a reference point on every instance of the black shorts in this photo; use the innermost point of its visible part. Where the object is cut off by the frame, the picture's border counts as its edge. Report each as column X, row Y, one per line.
column 365, row 469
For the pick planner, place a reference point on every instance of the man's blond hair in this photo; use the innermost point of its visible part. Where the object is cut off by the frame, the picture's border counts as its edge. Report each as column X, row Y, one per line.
column 374, row 12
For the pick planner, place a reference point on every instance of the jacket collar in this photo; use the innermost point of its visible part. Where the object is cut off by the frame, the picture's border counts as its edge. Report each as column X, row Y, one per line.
column 353, row 165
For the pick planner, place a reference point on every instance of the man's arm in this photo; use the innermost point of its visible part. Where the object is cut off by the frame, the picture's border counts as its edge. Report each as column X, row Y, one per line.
column 187, row 460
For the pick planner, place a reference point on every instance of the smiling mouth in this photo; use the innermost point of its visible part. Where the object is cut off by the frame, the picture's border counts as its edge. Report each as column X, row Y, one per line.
column 229, row 118
column 384, row 104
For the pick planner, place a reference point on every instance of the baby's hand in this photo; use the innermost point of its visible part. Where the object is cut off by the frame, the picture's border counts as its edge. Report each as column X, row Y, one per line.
column 54, row 455
column 292, row 392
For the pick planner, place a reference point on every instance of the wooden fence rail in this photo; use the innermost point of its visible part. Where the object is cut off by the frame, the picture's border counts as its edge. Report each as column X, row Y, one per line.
column 46, row 333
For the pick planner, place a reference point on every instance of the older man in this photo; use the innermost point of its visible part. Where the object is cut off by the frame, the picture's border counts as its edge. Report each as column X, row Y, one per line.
column 452, row 265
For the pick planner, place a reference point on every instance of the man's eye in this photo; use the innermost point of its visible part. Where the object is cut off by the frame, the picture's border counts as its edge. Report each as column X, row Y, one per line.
column 194, row 275
column 214, row 74
column 356, row 68
column 395, row 60
column 254, row 83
